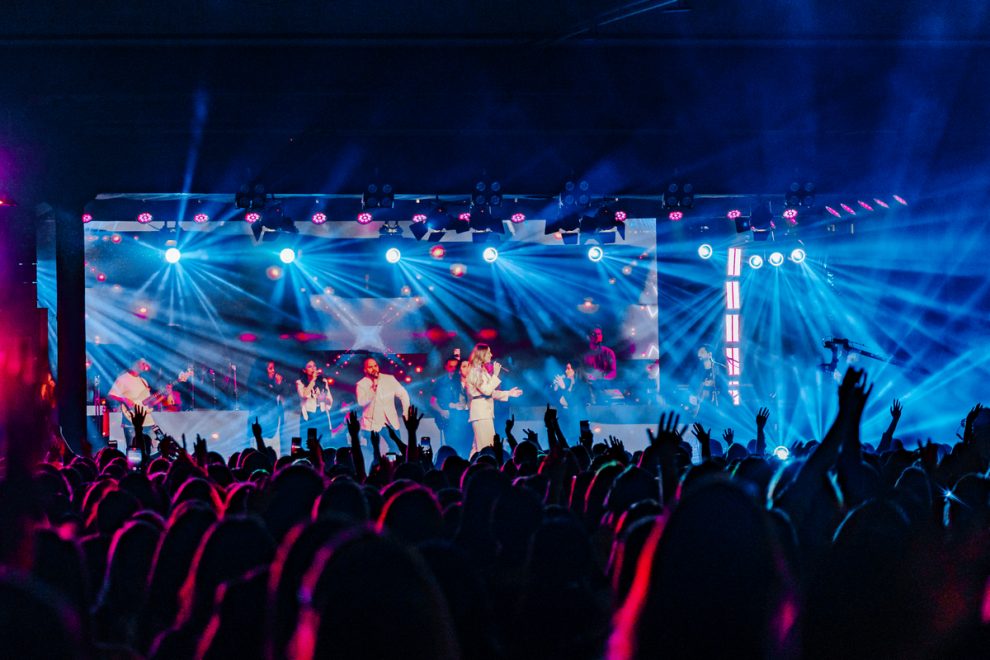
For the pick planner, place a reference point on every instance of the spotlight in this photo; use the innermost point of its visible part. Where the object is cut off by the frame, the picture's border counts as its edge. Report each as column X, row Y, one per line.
column 681, row 195
column 378, row 197
column 144, row 218
column 575, row 194
column 86, row 217
column 676, row 216
column 390, row 228
column 465, row 216
column 200, row 218
column 797, row 255
column 392, row 255
column 490, row 255
column 419, row 217
column 620, row 216
column 172, row 255
column 487, row 194
column 900, row 200
column 705, row 251
column 882, row 204
column 250, row 197
column 864, row 205
column 781, row 453
column 756, row 262
column 833, row 211
column 437, row 252
column 518, row 217
column 287, row 255
column 319, row 218
column 252, row 217
column 775, row 259
column 595, row 253
column 733, row 214
column 790, row 214
column 364, row 217
column 848, row 209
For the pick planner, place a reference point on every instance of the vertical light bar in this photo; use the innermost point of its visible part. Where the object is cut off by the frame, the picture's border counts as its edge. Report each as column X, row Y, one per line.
column 732, row 360
column 731, row 328
column 732, row 295
column 734, row 266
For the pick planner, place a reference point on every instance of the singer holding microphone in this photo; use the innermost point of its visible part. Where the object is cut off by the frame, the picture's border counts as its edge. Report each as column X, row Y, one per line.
column 314, row 401
column 481, row 387
column 376, row 394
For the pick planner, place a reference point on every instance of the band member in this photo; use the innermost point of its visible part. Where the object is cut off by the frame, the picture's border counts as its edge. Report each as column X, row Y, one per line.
column 269, row 391
column 599, row 364
column 569, row 394
column 131, row 389
column 450, row 404
column 481, row 387
column 314, row 400
column 376, row 394
column 708, row 387
column 171, row 399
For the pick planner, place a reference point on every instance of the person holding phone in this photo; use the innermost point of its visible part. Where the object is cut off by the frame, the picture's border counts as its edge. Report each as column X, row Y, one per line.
column 315, row 400
column 481, row 387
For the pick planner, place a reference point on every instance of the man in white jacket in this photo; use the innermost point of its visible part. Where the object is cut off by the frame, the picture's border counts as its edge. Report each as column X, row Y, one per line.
column 376, row 394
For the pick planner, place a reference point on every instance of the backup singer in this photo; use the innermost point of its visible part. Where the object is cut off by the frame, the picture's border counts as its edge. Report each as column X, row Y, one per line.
column 268, row 392
column 450, row 404
column 481, row 387
column 598, row 364
column 376, row 394
column 314, row 400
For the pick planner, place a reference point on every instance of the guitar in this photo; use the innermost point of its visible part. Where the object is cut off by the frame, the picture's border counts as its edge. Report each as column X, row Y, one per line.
column 154, row 399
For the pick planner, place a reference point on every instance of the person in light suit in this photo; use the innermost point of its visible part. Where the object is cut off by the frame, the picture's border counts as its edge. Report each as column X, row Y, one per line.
column 376, row 394
column 481, row 387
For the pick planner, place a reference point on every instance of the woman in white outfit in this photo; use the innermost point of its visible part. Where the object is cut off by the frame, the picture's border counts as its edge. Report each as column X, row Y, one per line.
column 481, row 386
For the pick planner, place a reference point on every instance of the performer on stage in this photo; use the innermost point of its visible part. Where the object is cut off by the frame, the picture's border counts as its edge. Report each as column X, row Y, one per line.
column 131, row 389
column 450, row 404
column 708, row 387
column 480, row 386
column 171, row 399
column 314, row 400
column 268, row 391
column 569, row 394
column 599, row 364
column 376, row 394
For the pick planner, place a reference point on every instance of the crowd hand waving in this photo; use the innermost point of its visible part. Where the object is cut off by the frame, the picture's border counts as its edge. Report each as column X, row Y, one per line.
column 704, row 439
column 394, row 435
column 353, row 424
column 315, row 451
column 970, row 421
column 509, row 425
column 200, row 451
column 587, row 439
column 532, row 436
column 616, row 449
column 139, row 414
column 412, row 419
column 728, row 435
column 499, row 449
column 668, row 436
column 895, row 410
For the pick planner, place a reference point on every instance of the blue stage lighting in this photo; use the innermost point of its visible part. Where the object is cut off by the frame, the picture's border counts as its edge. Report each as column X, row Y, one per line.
column 755, row 262
column 797, row 255
column 287, row 255
column 490, row 255
column 775, row 259
column 782, row 453
column 705, row 251
column 172, row 255
column 392, row 255
column 595, row 253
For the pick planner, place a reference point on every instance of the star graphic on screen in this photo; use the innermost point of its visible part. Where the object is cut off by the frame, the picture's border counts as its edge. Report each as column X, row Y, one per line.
column 368, row 337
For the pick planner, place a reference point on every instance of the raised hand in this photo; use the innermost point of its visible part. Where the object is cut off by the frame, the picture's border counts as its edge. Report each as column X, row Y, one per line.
column 853, row 392
column 496, row 369
column 587, row 438
column 762, row 415
column 200, row 450
column 550, row 417
column 138, row 416
column 668, row 435
column 353, row 424
column 728, row 435
column 509, row 425
column 970, row 421
column 412, row 420
column 895, row 410
column 257, row 433
column 616, row 449
column 700, row 434
column 532, row 436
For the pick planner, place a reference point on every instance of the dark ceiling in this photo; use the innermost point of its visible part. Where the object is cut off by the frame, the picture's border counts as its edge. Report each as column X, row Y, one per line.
column 318, row 96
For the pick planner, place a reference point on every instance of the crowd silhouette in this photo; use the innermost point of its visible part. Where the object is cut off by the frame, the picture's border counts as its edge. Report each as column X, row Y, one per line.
column 540, row 546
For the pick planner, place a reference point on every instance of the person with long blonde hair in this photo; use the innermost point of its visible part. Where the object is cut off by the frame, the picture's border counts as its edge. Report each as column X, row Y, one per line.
column 481, row 387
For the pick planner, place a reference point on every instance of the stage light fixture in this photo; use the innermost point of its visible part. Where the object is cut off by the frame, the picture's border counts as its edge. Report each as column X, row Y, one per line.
column 781, row 453
column 756, row 262
column 437, row 252
column 172, row 255
column 833, row 211
column 419, row 217
column 364, row 217
column 145, row 217
column 575, row 194
column 705, row 251
column 900, row 200
column 679, row 195
column 86, row 217
column 595, row 253
column 200, row 218
column 675, row 216
column 378, row 197
column 733, row 214
column 392, row 255
column 775, row 259
column 761, row 222
column 252, row 217
column 518, row 217
column 287, row 255
column 790, row 214
column 251, row 197
column 864, row 205
column 848, row 209
column 487, row 193
column 797, row 255
column 882, row 204
column 273, row 224
column 490, row 255
column 481, row 220
column 319, row 218
column 390, row 228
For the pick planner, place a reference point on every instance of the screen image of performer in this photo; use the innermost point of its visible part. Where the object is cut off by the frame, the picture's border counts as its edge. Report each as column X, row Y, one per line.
column 171, row 399
column 268, row 390
column 131, row 389
column 450, row 405
column 599, row 364
column 314, row 401
column 481, row 387
column 376, row 394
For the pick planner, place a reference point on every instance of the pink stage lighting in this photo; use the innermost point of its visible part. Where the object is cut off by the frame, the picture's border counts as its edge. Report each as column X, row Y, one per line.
column 900, row 200
column 848, row 209
column 620, row 216
column 319, row 218
column 865, row 205
column 790, row 214
column 733, row 214
column 833, row 211
column 86, row 217
column 201, row 218
column 519, row 217
column 676, row 216
column 437, row 252
column 364, row 218
column 419, row 217
column 252, row 217
column 145, row 218
column 882, row 204
column 464, row 217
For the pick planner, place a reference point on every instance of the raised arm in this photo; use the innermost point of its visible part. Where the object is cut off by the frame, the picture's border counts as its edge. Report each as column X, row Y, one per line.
column 887, row 440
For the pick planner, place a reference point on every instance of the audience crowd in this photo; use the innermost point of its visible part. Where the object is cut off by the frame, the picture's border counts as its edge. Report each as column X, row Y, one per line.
column 543, row 545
